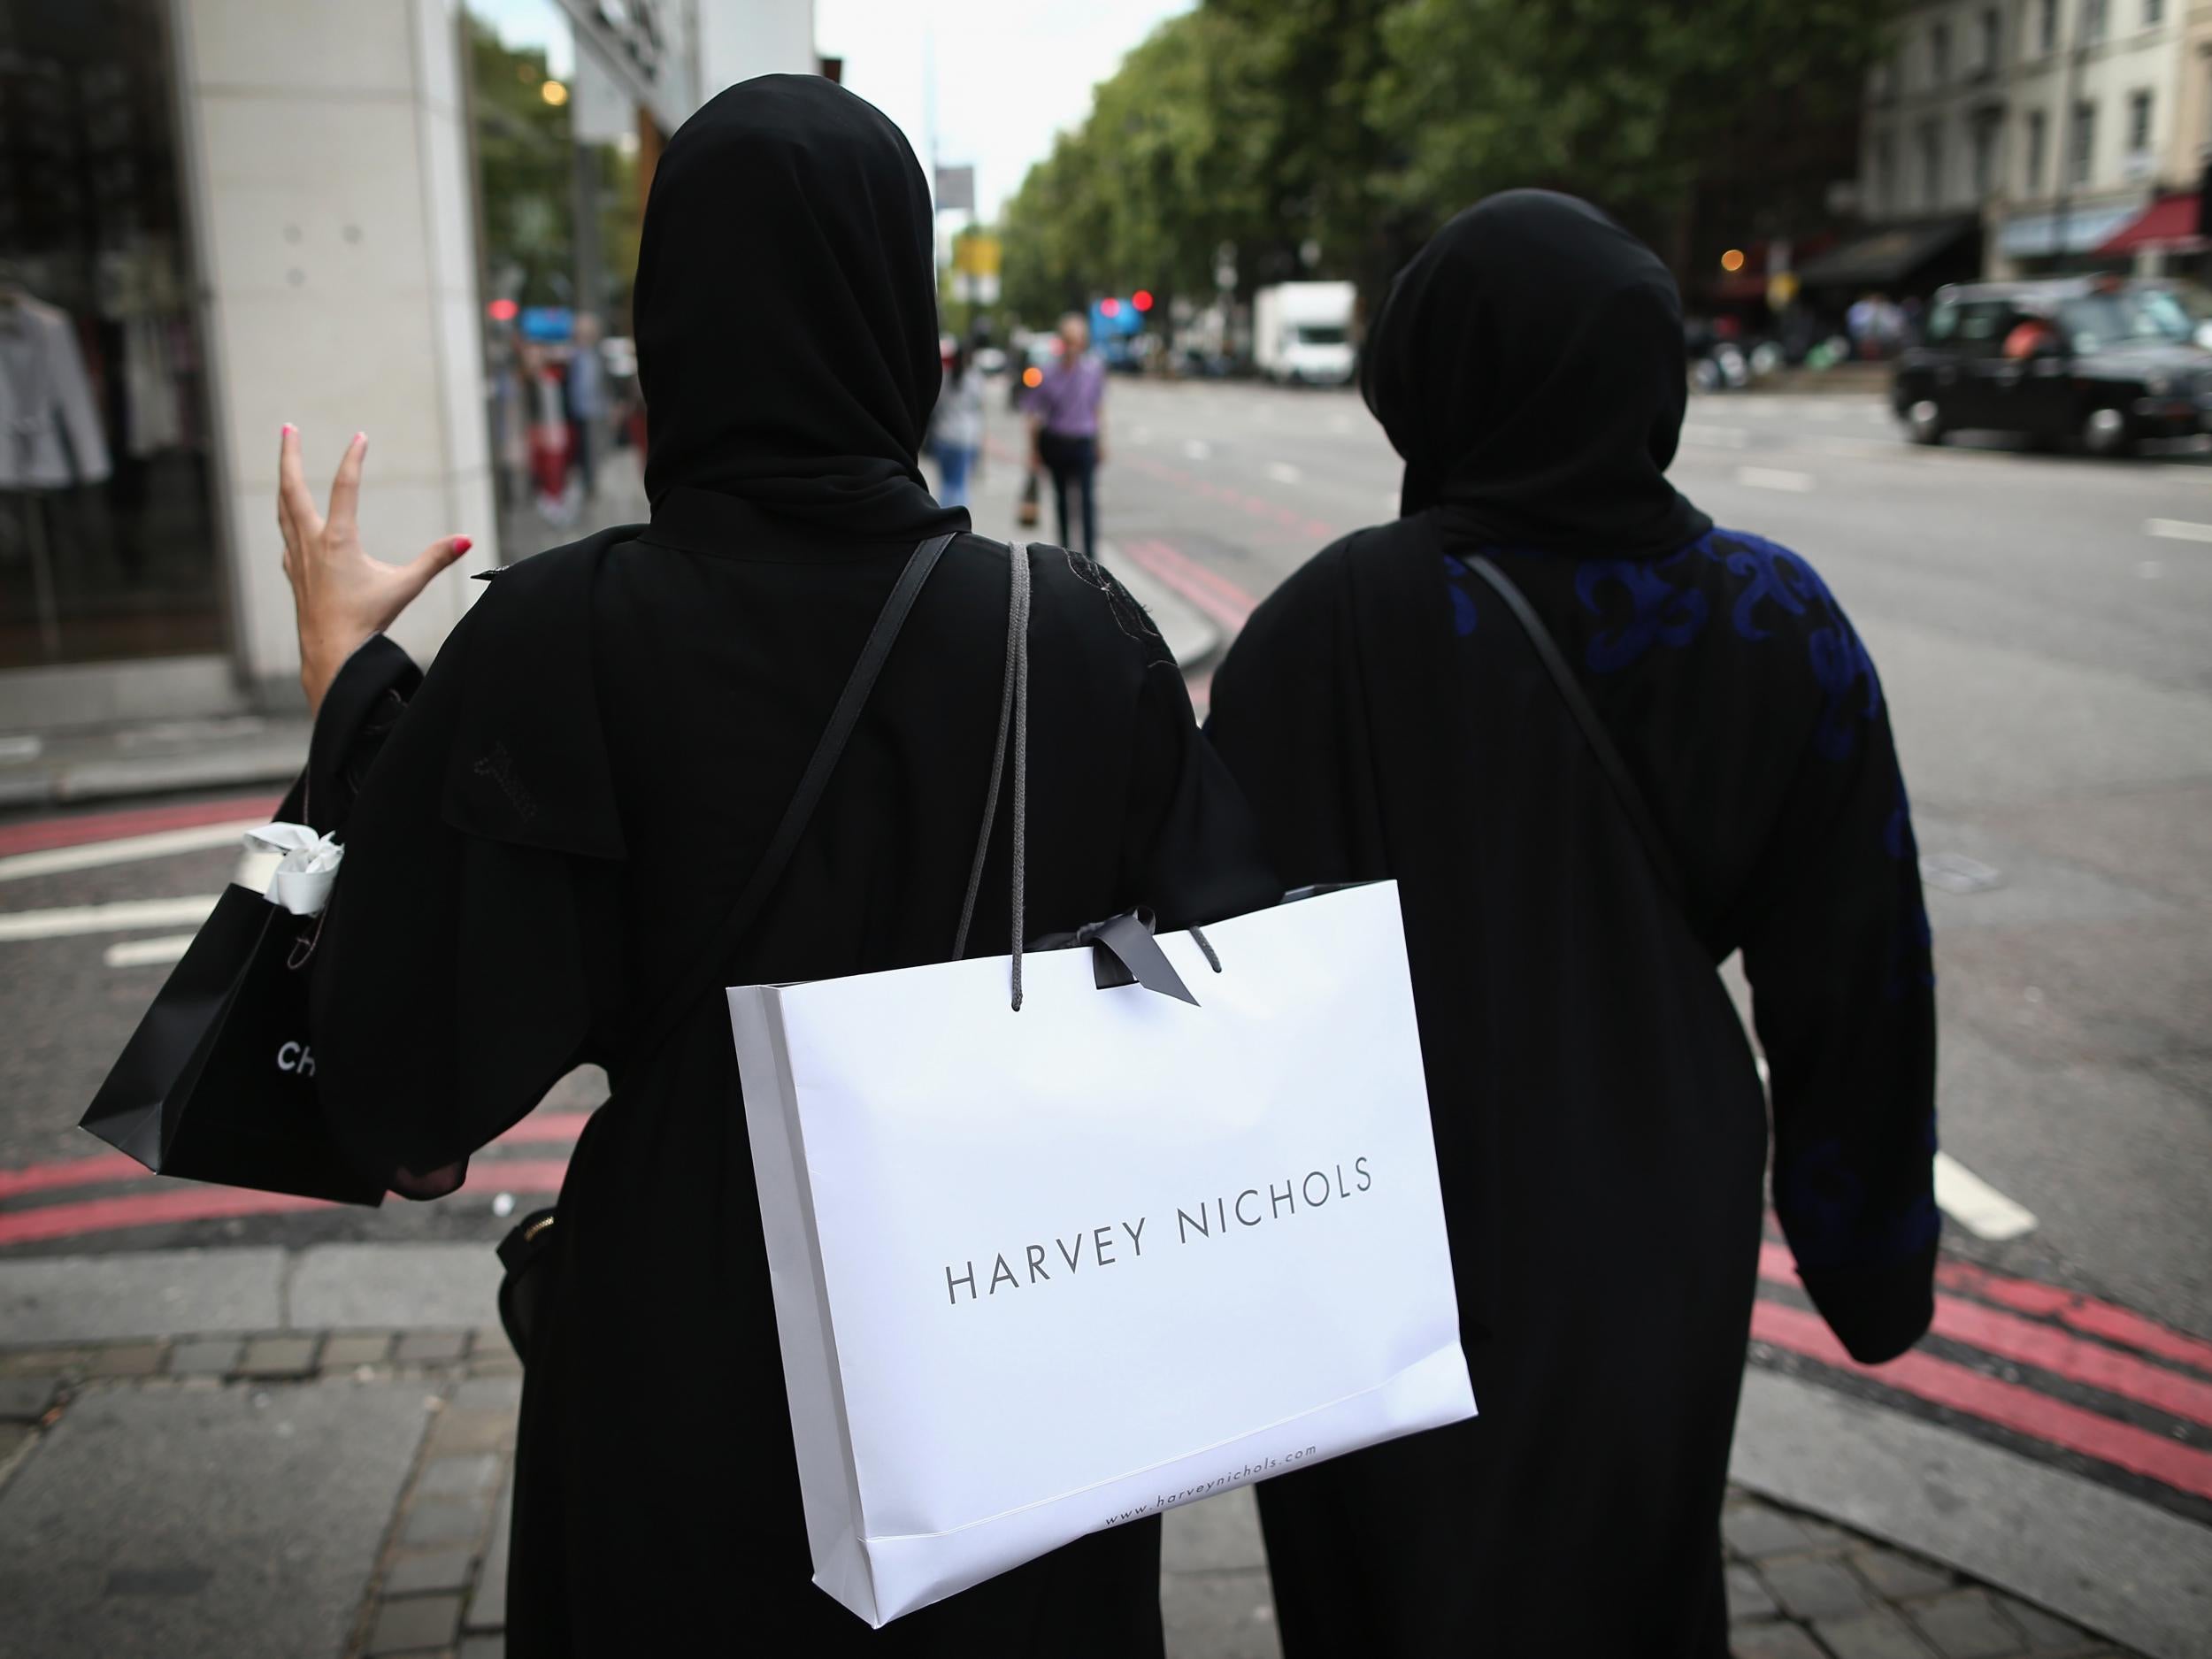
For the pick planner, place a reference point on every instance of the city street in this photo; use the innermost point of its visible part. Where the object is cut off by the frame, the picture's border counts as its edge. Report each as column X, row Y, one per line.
column 2043, row 625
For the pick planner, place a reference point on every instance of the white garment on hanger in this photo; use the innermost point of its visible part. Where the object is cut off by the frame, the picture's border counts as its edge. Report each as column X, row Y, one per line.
column 50, row 435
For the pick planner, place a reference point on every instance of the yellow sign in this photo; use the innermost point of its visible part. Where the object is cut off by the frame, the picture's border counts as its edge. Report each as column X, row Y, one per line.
column 976, row 255
column 1781, row 289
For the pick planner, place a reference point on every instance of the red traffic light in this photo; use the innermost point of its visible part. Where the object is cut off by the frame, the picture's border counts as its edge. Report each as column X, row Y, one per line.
column 1141, row 299
column 1109, row 308
column 503, row 311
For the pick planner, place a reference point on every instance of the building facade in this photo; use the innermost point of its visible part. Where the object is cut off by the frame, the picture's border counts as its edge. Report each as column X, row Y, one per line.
column 217, row 216
column 2070, row 130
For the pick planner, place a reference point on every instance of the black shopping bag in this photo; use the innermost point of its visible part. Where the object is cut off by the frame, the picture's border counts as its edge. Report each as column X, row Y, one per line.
column 218, row 1082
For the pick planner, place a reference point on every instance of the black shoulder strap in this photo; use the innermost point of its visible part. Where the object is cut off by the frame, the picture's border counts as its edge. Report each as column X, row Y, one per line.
column 827, row 751
column 1577, row 702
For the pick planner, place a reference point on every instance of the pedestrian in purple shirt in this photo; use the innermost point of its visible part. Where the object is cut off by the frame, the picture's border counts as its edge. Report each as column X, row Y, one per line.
column 1067, row 428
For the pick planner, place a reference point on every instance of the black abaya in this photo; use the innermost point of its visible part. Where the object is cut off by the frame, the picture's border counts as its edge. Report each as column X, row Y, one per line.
column 1600, row 1127
column 539, row 855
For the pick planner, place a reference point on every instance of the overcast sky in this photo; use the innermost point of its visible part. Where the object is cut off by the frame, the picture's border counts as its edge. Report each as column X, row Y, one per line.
column 1009, row 73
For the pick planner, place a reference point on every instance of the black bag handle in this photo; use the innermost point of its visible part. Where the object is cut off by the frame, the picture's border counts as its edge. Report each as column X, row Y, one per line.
column 1577, row 702
column 1013, row 717
column 827, row 751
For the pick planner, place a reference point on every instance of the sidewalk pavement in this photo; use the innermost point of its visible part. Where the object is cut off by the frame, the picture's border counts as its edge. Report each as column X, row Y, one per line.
column 232, row 1453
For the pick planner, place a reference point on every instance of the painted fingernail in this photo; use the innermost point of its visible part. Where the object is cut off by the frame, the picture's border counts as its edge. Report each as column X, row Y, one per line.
column 462, row 544
column 360, row 437
column 289, row 428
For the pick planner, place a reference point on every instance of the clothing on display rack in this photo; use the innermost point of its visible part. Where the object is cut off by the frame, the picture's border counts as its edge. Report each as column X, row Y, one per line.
column 50, row 435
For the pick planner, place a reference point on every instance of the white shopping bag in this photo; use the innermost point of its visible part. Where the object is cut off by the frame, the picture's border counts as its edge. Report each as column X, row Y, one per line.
column 1039, row 1272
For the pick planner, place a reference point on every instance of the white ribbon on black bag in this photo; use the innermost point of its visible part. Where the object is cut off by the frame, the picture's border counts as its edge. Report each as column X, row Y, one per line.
column 306, row 866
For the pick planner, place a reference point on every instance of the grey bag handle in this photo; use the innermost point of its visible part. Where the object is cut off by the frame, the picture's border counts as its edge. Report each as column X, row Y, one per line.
column 1013, row 717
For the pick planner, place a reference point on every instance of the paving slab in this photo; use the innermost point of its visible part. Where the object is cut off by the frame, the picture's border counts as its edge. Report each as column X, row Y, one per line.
column 2108, row 1561
column 140, row 1294
column 412, row 1287
column 173, row 1524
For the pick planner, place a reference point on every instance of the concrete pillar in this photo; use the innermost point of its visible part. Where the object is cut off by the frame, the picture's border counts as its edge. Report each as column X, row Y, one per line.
column 330, row 168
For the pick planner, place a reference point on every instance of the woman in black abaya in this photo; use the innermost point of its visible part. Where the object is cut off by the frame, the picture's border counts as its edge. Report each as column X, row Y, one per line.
column 1598, row 1121
column 563, row 809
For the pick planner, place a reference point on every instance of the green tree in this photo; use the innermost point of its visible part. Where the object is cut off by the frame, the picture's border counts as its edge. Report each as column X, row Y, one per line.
column 1635, row 105
column 1331, row 137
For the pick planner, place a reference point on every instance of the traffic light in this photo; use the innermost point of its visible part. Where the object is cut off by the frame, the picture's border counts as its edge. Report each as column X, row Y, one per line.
column 1110, row 307
column 1141, row 299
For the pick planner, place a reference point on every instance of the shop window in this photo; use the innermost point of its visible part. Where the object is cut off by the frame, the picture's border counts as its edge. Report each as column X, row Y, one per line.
column 563, row 154
column 2037, row 125
column 2084, row 150
column 2046, row 26
column 107, row 538
column 2138, row 123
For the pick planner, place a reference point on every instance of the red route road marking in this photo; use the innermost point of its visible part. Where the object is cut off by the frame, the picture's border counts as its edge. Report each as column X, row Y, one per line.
column 41, row 1178
column 118, row 1166
column 2083, row 1313
column 221, row 1203
column 2046, row 1348
column 1217, row 595
column 41, row 834
column 2007, row 1405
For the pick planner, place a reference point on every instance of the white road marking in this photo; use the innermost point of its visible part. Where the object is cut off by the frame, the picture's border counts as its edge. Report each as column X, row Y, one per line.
column 1774, row 478
column 1962, row 1194
column 1283, row 472
column 1716, row 437
column 93, row 855
column 1196, row 449
column 1857, row 448
column 117, row 917
column 2177, row 529
column 145, row 953
column 1975, row 1204
column 21, row 746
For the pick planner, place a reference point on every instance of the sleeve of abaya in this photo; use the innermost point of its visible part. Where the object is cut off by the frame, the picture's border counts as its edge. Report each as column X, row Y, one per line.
column 360, row 710
column 1193, row 851
column 452, row 984
column 1843, row 995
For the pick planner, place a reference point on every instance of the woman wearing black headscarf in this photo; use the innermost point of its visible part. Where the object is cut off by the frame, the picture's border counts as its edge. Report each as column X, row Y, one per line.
column 1598, row 1117
column 538, row 859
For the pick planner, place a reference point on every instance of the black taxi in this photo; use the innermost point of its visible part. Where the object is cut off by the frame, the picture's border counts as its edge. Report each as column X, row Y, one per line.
column 2101, row 362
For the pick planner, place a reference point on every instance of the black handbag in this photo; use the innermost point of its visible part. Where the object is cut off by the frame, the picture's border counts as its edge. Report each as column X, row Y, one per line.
column 528, row 1251
column 218, row 1082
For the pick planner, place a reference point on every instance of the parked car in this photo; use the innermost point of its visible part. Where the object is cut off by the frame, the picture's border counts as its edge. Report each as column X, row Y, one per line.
column 2101, row 362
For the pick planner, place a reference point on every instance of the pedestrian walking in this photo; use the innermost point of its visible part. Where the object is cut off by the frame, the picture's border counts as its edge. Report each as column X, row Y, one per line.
column 1067, row 430
column 1680, row 752
column 587, row 390
column 586, row 778
column 955, row 427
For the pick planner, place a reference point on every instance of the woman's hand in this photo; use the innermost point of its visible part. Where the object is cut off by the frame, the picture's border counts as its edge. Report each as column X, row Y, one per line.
column 342, row 596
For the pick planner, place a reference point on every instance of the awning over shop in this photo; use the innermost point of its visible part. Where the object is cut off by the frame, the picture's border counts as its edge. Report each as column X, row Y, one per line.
column 1888, row 255
column 2035, row 235
column 2170, row 218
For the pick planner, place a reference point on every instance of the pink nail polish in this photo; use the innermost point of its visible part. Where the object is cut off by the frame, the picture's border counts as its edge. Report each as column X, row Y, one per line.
column 288, row 428
column 462, row 544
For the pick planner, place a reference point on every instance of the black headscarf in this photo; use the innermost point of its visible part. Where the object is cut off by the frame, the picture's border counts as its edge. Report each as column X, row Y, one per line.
column 1528, row 366
column 786, row 311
